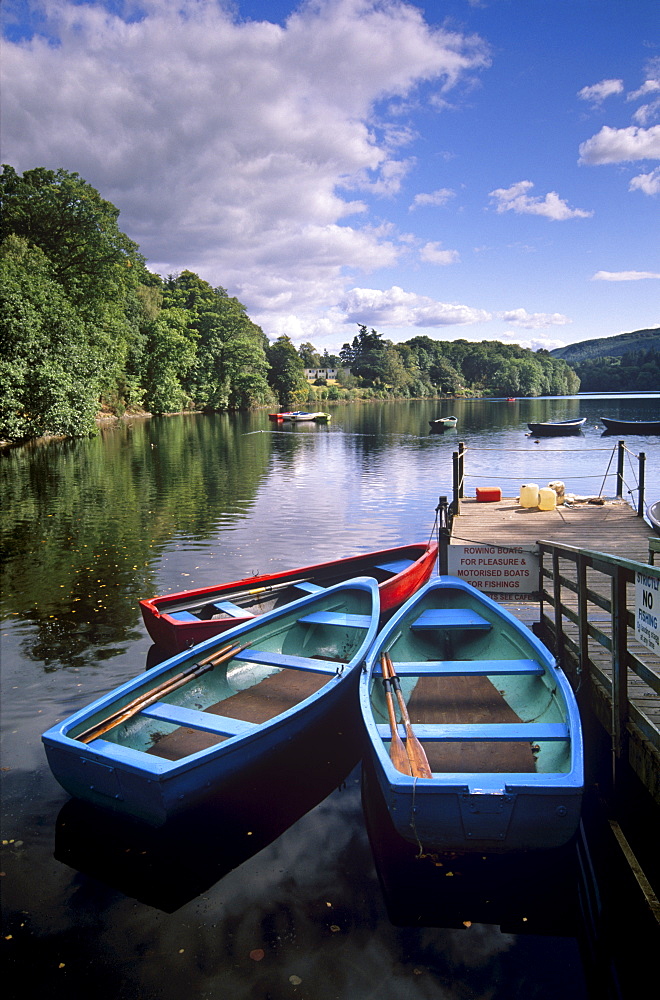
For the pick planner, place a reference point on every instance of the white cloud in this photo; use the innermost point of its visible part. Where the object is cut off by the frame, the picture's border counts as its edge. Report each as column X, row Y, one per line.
column 647, row 183
column 435, row 198
column 516, row 199
column 648, row 87
column 532, row 344
column 599, row 91
column 623, row 275
column 395, row 307
column 432, row 253
column 533, row 321
column 230, row 145
column 619, row 145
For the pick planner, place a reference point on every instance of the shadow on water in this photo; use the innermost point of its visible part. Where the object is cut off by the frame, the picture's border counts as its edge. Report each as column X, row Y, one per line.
column 581, row 892
column 171, row 865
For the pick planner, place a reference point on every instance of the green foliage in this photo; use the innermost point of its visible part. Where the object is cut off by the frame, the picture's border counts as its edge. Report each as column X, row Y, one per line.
column 287, row 375
column 637, row 342
column 74, row 227
column 49, row 379
column 86, row 325
column 634, row 371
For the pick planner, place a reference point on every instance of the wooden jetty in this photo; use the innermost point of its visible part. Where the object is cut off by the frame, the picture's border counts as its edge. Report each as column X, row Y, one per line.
column 584, row 610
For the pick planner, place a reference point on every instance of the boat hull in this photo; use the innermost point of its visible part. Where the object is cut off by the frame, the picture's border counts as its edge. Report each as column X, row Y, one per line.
column 136, row 769
column 653, row 514
column 560, row 428
column 631, row 426
column 496, row 717
column 443, row 423
column 414, row 565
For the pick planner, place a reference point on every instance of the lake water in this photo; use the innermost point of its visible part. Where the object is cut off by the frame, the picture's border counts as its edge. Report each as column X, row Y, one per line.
column 283, row 896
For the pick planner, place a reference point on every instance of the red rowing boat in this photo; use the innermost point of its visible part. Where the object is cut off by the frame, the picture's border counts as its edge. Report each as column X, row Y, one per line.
column 177, row 621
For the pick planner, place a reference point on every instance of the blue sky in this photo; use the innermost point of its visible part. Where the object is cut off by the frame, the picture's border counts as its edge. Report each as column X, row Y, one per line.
column 478, row 169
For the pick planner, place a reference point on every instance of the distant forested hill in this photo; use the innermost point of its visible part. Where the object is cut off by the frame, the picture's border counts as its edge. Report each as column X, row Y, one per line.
column 610, row 347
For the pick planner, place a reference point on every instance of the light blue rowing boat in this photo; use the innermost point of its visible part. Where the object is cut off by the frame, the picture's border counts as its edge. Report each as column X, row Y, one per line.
column 176, row 734
column 490, row 712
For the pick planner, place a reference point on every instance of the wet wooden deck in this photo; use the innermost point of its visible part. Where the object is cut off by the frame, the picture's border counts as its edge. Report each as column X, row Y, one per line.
column 613, row 527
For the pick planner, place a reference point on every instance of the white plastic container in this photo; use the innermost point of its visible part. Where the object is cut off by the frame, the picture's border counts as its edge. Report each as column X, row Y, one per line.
column 547, row 498
column 529, row 495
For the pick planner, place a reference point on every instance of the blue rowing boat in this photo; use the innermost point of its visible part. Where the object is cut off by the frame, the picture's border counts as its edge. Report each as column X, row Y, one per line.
column 488, row 754
column 162, row 743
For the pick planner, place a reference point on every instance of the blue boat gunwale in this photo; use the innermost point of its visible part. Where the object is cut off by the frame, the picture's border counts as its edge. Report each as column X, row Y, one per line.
column 138, row 761
column 570, row 781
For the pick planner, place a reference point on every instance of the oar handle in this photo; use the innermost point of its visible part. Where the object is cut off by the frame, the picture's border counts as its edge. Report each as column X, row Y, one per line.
column 158, row 692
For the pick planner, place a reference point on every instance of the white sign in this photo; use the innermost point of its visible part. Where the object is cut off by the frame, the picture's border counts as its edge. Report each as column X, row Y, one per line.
column 647, row 610
column 512, row 569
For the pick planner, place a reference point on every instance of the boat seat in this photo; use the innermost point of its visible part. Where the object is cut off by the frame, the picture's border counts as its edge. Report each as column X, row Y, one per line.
column 483, row 732
column 396, row 566
column 310, row 588
column 463, row 668
column 195, row 719
column 336, row 618
column 450, row 618
column 232, row 609
column 272, row 659
column 183, row 616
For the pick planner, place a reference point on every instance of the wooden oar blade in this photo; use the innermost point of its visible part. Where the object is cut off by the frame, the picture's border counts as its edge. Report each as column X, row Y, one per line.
column 419, row 764
column 399, row 757
column 398, row 753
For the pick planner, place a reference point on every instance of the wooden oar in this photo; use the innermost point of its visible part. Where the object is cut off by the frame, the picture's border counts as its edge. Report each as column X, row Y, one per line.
column 159, row 691
column 398, row 754
column 419, row 764
column 232, row 595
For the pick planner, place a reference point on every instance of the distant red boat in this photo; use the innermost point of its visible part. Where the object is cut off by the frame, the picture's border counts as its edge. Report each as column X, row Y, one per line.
column 177, row 621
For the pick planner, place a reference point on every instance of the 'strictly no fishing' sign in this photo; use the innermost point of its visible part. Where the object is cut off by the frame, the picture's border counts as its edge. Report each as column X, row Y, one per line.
column 497, row 568
column 647, row 610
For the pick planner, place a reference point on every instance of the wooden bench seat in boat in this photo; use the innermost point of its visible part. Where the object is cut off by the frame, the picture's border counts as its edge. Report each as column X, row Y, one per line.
column 308, row 586
column 521, row 731
column 459, row 668
column 255, row 705
column 336, row 618
column 183, row 616
column 467, row 704
column 450, row 618
column 396, row 566
column 272, row 659
column 229, row 608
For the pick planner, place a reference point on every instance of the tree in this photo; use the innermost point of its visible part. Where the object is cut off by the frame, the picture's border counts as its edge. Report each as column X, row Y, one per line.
column 75, row 228
column 49, row 378
column 287, row 376
column 310, row 356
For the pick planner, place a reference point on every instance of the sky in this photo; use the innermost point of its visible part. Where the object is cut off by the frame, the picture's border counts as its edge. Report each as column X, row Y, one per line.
column 476, row 169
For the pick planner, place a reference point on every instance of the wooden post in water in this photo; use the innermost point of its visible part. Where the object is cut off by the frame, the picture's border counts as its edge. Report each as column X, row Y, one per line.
column 443, row 536
column 619, row 468
column 456, row 502
column 641, row 476
column 461, row 468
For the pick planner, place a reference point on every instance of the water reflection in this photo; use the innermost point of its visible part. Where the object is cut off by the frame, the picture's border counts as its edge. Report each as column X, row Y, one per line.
column 521, row 893
column 172, row 865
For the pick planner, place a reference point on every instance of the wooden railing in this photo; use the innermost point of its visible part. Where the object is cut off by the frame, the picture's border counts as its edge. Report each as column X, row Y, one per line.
column 591, row 626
